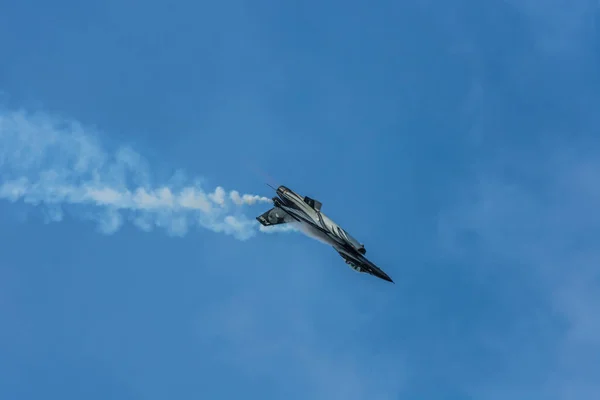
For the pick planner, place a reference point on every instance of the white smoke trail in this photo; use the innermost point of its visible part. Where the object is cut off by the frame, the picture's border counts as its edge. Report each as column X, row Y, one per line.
column 61, row 166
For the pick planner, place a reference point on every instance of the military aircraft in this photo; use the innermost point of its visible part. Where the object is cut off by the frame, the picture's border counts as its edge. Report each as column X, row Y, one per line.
column 290, row 207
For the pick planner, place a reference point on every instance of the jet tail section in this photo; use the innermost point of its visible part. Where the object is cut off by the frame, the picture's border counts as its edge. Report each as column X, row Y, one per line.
column 274, row 216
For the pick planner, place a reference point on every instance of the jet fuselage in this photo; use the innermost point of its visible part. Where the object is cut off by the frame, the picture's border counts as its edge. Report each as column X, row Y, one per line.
column 316, row 222
column 290, row 207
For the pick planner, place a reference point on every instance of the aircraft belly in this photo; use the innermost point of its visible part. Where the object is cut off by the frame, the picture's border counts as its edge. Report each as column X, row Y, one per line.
column 311, row 228
column 305, row 213
column 318, row 234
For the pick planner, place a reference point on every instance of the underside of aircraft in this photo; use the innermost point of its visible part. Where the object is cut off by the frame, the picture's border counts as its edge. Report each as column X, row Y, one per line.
column 290, row 207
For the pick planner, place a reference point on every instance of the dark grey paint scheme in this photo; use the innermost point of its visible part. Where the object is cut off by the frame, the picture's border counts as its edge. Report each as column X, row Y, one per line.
column 291, row 207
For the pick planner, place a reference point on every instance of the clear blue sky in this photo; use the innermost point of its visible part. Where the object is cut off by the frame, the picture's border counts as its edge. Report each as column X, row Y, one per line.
column 457, row 140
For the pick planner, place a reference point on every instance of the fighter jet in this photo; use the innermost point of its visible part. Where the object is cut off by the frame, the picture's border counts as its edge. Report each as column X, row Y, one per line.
column 290, row 207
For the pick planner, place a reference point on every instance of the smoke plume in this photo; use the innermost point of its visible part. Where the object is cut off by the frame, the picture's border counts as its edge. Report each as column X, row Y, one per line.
column 60, row 166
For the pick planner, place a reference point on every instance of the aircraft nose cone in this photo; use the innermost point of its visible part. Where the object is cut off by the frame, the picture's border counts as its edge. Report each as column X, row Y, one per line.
column 385, row 277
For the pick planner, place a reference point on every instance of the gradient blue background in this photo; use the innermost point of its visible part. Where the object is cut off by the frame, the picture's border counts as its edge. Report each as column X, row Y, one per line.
column 457, row 140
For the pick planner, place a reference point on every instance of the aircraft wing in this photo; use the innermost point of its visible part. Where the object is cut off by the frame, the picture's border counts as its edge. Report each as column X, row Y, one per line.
column 274, row 216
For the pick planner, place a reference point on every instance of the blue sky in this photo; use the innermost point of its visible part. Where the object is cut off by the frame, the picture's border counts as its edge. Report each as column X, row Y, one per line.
column 457, row 141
